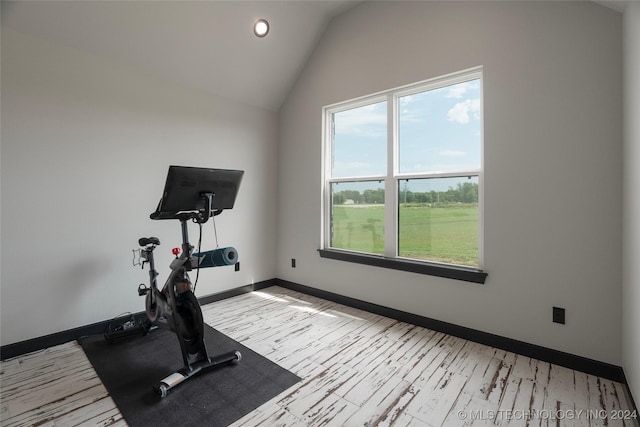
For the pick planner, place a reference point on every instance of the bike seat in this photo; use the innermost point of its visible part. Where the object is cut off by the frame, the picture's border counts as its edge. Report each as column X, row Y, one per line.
column 144, row 241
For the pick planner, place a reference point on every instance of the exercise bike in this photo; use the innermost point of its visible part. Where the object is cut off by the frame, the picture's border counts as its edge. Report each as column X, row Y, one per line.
column 190, row 194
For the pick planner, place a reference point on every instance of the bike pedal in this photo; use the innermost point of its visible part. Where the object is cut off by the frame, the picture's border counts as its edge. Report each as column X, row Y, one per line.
column 142, row 289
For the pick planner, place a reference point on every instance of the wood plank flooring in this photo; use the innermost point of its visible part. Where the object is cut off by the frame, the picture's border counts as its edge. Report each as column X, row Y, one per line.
column 358, row 369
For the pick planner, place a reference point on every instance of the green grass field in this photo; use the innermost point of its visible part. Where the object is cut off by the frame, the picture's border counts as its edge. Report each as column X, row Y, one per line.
column 441, row 234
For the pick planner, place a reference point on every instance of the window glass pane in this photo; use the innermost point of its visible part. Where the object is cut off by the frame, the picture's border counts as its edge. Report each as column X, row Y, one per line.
column 439, row 130
column 360, row 141
column 438, row 220
column 357, row 216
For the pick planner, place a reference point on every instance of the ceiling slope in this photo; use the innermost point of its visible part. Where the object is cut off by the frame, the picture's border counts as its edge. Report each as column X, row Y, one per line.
column 207, row 45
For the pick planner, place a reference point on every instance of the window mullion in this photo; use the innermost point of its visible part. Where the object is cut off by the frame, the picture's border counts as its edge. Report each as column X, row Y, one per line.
column 391, row 188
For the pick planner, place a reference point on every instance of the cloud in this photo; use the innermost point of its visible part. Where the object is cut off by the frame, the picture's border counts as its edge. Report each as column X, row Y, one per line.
column 461, row 112
column 457, row 91
column 452, row 153
column 353, row 165
column 368, row 121
column 405, row 100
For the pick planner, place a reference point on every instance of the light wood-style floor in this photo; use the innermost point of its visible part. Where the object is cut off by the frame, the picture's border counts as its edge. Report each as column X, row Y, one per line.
column 357, row 369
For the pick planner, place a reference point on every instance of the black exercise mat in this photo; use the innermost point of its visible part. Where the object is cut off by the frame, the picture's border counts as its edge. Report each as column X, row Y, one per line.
column 216, row 397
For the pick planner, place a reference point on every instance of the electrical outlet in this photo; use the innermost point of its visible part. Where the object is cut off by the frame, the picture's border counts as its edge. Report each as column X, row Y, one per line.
column 558, row 315
column 293, row 263
column 237, row 266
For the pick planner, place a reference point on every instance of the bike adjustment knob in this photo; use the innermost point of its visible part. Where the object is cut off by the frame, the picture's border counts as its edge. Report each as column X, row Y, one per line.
column 175, row 251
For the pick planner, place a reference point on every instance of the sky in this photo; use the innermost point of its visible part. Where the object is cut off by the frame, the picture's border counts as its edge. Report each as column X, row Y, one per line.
column 438, row 131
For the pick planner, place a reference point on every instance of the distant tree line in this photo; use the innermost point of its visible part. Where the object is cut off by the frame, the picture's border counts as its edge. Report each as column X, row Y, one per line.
column 466, row 192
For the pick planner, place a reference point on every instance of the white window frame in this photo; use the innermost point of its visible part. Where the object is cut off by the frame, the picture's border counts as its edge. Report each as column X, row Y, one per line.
column 393, row 176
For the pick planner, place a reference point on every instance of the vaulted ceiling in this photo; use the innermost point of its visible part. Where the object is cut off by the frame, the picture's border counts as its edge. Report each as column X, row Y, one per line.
column 207, row 45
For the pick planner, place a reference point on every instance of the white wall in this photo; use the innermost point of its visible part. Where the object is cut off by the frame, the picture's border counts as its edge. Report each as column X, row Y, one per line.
column 553, row 160
column 631, row 224
column 86, row 144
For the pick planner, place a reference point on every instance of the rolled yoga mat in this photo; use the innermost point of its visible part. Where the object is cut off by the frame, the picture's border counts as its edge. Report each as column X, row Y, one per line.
column 215, row 258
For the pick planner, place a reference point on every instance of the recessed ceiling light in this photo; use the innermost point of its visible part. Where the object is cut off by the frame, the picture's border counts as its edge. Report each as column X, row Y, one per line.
column 261, row 28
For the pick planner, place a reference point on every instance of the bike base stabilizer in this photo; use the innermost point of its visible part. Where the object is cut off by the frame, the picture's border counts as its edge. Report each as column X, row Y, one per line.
column 177, row 378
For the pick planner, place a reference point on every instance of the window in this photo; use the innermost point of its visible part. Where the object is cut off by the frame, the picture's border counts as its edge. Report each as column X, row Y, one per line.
column 402, row 177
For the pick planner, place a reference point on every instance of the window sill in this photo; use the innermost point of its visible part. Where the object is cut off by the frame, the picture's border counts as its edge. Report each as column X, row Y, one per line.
column 449, row 272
